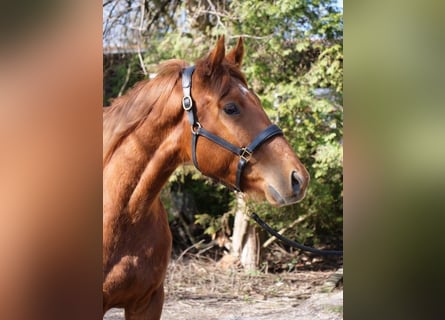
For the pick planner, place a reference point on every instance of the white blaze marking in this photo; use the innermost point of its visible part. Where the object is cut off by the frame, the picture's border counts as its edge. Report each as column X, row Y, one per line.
column 243, row 89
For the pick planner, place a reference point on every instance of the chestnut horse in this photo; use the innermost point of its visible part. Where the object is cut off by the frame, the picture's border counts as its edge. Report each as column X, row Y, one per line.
column 152, row 130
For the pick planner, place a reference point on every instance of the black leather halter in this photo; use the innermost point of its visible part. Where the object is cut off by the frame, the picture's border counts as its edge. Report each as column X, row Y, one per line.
column 244, row 153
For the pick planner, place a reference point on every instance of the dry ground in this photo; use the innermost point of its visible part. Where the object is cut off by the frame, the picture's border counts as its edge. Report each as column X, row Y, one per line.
column 201, row 289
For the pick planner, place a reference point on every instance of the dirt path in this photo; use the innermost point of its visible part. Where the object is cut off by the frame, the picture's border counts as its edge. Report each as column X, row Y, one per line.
column 326, row 306
column 205, row 292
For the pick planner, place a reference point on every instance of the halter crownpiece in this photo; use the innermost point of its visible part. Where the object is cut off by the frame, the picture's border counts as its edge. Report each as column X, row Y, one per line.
column 244, row 153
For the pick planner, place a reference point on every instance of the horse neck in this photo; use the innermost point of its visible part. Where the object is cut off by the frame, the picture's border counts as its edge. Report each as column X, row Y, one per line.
column 142, row 164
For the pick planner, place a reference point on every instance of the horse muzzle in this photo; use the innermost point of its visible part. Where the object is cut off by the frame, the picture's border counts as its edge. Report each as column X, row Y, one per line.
column 293, row 191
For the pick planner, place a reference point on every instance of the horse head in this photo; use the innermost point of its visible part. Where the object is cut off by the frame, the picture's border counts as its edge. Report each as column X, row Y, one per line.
column 230, row 118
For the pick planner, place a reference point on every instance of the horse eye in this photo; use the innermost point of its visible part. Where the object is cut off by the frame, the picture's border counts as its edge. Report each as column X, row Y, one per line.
column 231, row 109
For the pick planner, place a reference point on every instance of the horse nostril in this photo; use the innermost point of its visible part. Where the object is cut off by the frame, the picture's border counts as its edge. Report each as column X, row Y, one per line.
column 296, row 182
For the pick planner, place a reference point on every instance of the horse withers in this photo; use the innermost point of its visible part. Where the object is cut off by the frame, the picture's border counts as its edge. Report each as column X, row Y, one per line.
column 205, row 114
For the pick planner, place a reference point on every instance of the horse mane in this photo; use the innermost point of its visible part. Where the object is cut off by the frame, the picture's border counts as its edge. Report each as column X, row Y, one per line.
column 129, row 111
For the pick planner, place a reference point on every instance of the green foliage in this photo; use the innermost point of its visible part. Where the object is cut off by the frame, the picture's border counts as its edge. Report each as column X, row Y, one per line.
column 327, row 71
column 212, row 200
column 211, row 222
column 314, row 127
column 121, row 71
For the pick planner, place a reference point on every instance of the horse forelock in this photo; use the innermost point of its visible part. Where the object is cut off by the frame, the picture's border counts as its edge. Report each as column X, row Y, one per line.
column 220, row 81
column 129, row 111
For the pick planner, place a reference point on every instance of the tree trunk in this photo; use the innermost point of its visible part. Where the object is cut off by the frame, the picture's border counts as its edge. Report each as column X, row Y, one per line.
column 245, row 241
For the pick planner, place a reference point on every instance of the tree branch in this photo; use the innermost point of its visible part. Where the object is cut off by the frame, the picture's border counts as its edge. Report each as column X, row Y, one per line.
column 141, row 60
column 127, row 78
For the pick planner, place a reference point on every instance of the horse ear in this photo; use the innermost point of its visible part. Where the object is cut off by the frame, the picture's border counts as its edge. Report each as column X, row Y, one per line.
column 216, row 57
column 235, row 56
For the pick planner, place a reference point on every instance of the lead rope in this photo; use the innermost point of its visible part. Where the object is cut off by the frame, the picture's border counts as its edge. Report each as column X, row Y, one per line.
column 292, row 243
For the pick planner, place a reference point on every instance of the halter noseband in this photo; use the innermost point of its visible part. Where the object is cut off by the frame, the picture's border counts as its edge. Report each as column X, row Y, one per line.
column 244, row 153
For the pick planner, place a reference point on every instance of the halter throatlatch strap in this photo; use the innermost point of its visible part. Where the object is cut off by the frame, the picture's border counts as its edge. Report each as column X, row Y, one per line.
column 244, row 153
column 187, row 104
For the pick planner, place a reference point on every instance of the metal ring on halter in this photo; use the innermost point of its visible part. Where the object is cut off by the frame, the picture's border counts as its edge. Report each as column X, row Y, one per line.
column 196, row 127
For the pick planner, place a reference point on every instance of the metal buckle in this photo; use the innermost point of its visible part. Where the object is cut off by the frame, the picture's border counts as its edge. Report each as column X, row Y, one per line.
column 187, row 103
column 245, row 154
column 195, row 128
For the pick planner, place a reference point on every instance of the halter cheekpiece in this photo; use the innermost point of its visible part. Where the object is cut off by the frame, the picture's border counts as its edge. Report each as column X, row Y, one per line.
column 244, row 153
